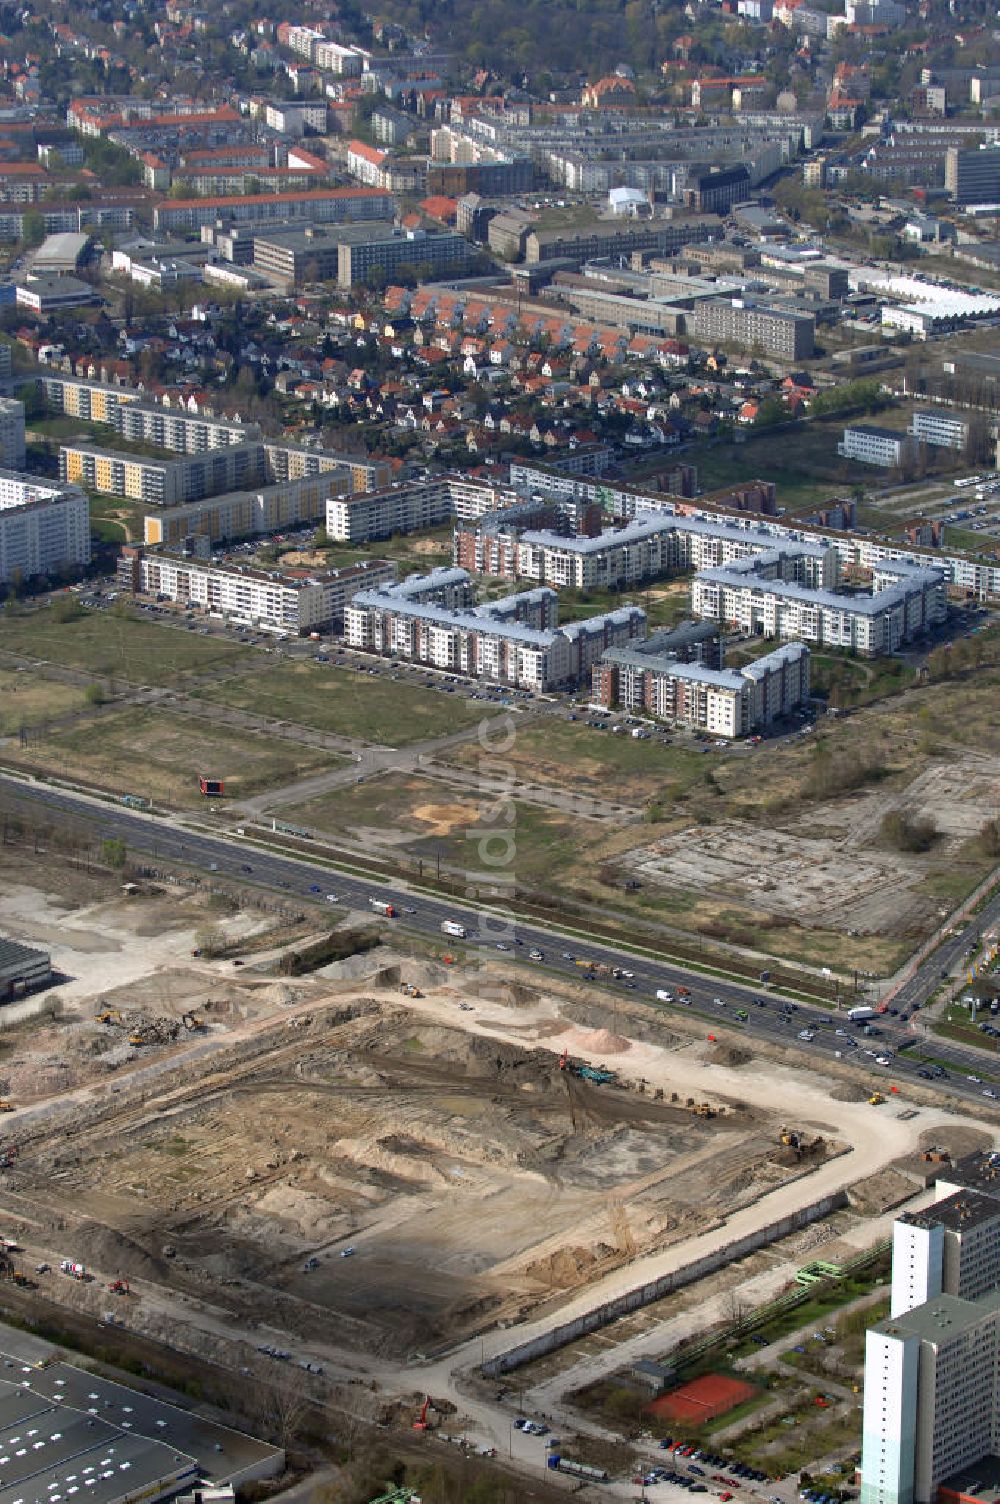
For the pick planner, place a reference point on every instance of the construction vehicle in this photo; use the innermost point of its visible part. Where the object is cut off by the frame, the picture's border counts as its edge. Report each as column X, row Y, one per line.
column 599, row 1074
column 422, row 1423
column 108, row 1016
column 789, row 1138
column 119, row 1287
column 408, row 990
column 6, row 1105
column 703, row 1110
column 876, row 1099
column 74, row 1270
column 192, row 1022
column 596, row 1073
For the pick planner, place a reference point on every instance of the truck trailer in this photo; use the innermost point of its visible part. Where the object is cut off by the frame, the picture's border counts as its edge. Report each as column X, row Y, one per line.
column 576, row 1469
column 861, row 1015
column 452, row 927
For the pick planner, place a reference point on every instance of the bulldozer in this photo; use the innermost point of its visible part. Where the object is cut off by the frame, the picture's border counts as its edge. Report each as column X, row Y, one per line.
column 876, row 1099
column 789, row 1138
column 5, row 1105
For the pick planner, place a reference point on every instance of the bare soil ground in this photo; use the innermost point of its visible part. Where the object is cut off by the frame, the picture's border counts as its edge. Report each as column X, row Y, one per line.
column 475, row 1178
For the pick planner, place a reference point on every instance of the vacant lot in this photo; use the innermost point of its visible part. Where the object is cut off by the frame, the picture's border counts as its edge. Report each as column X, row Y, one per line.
column 370, row 709
column 160, row 756
column 576, row 756
column 427, row 820
column 112, row 646
column 26, row 700
column 802, row 460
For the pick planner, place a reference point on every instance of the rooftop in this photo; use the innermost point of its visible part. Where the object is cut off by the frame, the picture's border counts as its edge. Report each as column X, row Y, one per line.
column 941, row 1319
column 14, row 954
column 865, row 605
column 959, row 1212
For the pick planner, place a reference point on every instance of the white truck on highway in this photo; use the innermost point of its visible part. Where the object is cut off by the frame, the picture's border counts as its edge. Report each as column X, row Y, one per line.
column 452, row 927
column 861, row 1015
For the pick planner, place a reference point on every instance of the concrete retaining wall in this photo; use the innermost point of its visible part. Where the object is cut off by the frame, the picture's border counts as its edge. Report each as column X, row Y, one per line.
column 644, row 1295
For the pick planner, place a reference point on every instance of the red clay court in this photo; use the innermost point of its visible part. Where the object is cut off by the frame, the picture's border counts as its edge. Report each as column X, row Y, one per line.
column 703, row 1399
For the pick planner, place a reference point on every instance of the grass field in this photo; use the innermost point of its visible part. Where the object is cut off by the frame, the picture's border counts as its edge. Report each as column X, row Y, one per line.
column 107, row 645
column 573, row 755
column 58, row 426
column 115, row 519
column 428, row 820
column 26, row 700
column 413, row 555
column 665, row 603
column 390, row 713
column 160, row 756
column 802, row 461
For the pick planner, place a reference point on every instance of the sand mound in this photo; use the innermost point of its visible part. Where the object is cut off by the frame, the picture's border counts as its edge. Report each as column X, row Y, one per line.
column 728, row 1054
column 280, row 994
column 115, row 1253
column 604, row 1041
column 849, row 1091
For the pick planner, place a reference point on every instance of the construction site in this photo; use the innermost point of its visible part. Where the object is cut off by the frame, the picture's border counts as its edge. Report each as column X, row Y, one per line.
column 211, row 1127
column 386, row 1170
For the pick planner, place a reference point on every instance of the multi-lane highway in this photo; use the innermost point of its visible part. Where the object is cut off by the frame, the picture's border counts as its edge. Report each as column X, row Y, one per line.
column 714, row 1002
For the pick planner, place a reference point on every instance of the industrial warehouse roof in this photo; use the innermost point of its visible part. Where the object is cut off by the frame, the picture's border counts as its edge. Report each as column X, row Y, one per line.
column 52, row 1452
column 64, row 249
column 13, row 954
column 98, row 1442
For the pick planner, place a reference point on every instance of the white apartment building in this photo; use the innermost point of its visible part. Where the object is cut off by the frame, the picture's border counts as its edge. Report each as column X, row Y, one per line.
column 188, row 433
column 514, row 641
column 331, row 57
column 652, row 544
column 965, row 572
column 932, row 1404
column 724, row 702
column 292, row 118
column 44, row 527
column 273, row 600
column 409, row 507
column 11, row 433
column 951, row 1248
column 753, row 596
column 942, row 430
column 872, row 445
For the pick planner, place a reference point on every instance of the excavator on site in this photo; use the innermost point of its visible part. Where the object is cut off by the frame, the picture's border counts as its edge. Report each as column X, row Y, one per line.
column 422, row 1423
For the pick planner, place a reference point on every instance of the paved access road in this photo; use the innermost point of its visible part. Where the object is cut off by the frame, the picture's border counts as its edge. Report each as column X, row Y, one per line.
column 971, row 1072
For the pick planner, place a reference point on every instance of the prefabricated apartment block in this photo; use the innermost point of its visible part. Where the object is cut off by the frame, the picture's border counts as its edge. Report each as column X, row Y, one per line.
column 513, row 641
